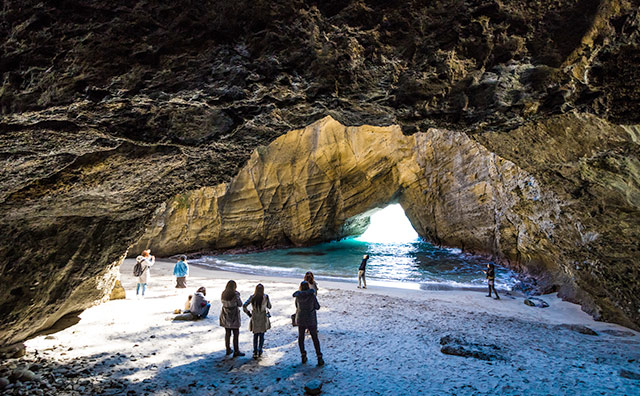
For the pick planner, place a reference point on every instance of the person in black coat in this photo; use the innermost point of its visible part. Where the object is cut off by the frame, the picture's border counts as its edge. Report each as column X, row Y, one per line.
column 306, row 319
column 361, row 270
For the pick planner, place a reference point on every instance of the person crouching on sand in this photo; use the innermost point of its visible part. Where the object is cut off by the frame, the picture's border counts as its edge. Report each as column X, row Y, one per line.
column 146, row 261
column 306, row 307
column 309, row 278
column 491, row 279
column 181, row 271
column 230, row 317
column 199, row 307
column 259, row 314
column 361, row 271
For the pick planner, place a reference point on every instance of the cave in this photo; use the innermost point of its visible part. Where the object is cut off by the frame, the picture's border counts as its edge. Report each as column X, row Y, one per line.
column 502, row 129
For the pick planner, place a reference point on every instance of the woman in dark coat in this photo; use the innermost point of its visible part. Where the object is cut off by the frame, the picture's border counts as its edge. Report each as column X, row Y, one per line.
column 306, row 307
column 230, row 317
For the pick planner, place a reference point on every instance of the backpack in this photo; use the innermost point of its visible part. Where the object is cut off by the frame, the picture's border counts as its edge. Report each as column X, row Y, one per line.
column 137, row 269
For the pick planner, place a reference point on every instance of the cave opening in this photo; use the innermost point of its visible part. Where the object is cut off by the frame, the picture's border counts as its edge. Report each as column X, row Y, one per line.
column 389, row 225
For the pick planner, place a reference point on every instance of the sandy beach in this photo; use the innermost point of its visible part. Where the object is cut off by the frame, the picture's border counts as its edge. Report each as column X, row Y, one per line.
column 379, row 341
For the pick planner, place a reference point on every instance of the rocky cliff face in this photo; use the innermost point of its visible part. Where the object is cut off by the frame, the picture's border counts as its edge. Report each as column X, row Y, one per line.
column 109, row 109
column 310, row 185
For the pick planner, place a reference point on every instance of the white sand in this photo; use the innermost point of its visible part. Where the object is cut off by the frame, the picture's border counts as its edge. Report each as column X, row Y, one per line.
column 379, row 341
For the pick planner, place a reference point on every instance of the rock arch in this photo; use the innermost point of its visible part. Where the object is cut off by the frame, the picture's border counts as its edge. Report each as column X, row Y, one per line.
column 322, row 182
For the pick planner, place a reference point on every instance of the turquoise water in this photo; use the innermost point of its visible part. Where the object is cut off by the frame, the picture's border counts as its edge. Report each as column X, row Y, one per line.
column 414, row 262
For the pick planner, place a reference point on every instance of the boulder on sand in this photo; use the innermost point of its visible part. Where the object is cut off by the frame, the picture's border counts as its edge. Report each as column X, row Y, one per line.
column 536, row 302
column 313, row 387
column 117, row 293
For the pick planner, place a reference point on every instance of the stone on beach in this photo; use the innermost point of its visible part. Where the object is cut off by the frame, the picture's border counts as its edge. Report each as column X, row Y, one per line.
column 313, row 387
column 536, row 302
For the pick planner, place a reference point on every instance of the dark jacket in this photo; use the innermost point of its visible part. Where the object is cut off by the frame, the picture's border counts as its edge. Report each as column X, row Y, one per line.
column 306, row 306
column 230, row 314
column 363, row 265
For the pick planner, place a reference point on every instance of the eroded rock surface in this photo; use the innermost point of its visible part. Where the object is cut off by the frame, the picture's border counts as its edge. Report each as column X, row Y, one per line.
column 109, row 109
column 309, row 185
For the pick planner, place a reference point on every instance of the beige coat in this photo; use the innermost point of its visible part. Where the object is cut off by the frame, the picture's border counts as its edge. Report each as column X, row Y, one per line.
column 147, row 263
column 259, row 322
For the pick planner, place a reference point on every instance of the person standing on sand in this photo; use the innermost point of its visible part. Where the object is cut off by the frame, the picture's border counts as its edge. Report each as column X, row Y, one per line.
column 308, row 277
column 306, row 319
column 259, row 314
column 491, row 279
column 361, row 270
column 181, row 271
column 230, row 317
column 146, row 260
column 198, row 308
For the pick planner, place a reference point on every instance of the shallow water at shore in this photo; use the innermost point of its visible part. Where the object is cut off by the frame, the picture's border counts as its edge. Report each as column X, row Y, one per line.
column 415, row 262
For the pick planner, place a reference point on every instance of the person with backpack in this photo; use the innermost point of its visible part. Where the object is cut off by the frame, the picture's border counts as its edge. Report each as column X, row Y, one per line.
column 142, row 270
column 181, row 271
column 306, row 319
column 199, row 307
column 230, row 317
column 259, row 314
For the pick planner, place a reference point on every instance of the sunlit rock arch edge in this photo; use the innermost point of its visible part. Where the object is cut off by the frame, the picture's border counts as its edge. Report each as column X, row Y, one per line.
column 565, row 215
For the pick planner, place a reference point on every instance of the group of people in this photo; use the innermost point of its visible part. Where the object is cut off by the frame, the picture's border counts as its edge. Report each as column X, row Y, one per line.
column 257, row 306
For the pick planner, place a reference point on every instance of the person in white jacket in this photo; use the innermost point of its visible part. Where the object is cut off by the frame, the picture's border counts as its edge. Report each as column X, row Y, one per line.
column 146, row 260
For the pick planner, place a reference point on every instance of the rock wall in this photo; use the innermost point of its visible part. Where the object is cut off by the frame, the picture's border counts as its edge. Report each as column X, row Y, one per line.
column 110, row 108
column 305, row 186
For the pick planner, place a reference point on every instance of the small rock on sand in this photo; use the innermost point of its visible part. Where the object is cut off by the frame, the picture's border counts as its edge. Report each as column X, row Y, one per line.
column 313, row 387
column 578, row 328
column 630, row 374
column 535, row 302
column 460, row 347
column 619, row 333
column 24, row 375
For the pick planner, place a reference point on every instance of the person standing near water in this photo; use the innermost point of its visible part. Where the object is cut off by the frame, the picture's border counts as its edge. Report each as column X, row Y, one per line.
column 306, row 319
column 259, row 315
column 361, row 270
column 146, row 261
column 181, row 271
column 230, row 317
column 491, row 279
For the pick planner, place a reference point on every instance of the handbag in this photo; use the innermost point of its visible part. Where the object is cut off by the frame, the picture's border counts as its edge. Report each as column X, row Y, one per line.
column 293, row 320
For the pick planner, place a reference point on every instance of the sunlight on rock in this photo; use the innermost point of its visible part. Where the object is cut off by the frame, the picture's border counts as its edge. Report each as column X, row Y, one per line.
column 389, row 225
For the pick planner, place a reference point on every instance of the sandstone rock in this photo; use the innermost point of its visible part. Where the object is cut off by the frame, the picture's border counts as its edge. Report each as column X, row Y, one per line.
column 13, row 351
column 118, row 292
column 536, row 302
column 24, row 375
column 313, row 387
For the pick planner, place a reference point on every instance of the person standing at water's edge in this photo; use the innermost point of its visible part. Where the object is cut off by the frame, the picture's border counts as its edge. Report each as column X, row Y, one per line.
column 361, row 270
column 230, row 317
column 181, row 271
column 491, row 279
column 145, row 261
column 306, row 307
column 259, row 315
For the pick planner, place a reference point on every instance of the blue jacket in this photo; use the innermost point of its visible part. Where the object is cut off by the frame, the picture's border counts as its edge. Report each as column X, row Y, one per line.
column 181, row 269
